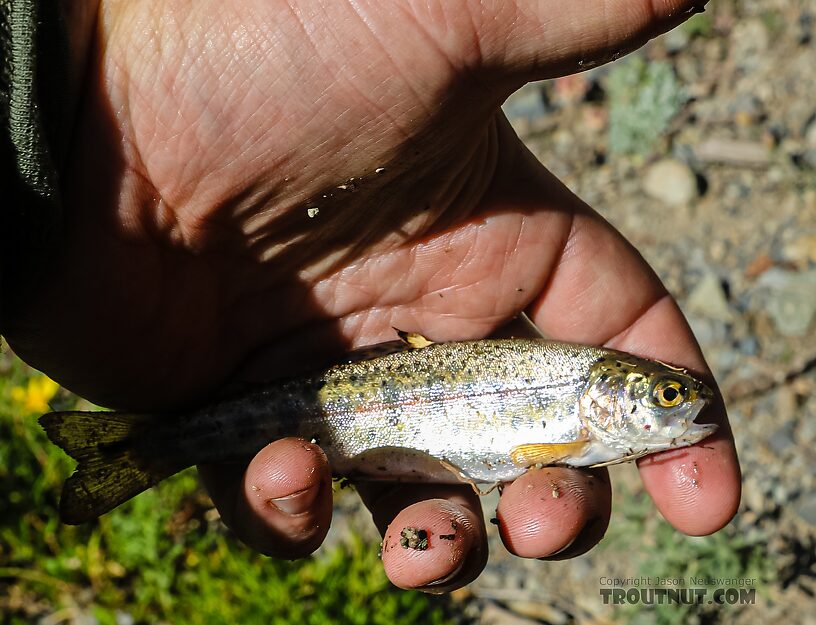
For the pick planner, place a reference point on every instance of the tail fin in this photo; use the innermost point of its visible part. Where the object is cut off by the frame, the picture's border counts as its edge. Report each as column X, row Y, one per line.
column 115, row 463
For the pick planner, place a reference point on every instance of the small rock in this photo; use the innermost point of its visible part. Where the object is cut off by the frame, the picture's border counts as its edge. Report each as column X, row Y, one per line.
column 571, row 89
column 807, row 158
column 748, row 346
column 708, row 299
column 493, row 614
column 732, row 152
column 781, row 438
column 806, row 508
column 414, row 538
column 539, row 612
column 746, row 109
column 676, row 40
column 709, row 332
column 124, row 618
column 749, row 40
column 790, row 299
column 754, row 496
column 804, row 30
column 528, row 103
column 810, row 133
column 670, row 181
column 806, row 431
column 759, row 265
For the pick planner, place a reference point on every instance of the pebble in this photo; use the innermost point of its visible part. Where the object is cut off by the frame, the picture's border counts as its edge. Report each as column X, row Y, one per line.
column 493, row 614
column 808, row 158
column 539, row 612
column 806, row 431
column 732, row 152
column 749, row 39
column 753, row 495
column 708, row 299
column 528, row 103
column 676, row 40
column 670, row 181
column 709, row 332
column 790, row 299
column 805, row 508
column 810, row 133
column 748, row 346
column 781, row 438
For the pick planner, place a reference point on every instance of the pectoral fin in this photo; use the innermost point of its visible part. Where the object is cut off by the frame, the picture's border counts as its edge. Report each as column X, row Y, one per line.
column 547, row 453
column 634, row 455
column 413, row 339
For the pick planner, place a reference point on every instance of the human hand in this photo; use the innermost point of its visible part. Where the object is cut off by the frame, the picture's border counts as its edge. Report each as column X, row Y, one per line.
column 209, row 132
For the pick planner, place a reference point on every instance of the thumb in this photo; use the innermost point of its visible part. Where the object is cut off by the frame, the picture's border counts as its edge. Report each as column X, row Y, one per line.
column 527, row 40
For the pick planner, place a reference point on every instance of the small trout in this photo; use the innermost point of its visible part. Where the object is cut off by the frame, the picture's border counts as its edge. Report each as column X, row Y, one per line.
column 480, row 412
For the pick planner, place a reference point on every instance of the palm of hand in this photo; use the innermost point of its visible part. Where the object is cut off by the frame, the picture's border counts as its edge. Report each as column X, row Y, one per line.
column 255, row 183
column 195, row 174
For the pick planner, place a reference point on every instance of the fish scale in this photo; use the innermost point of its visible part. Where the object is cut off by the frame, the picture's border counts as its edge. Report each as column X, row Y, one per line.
column 481, row 412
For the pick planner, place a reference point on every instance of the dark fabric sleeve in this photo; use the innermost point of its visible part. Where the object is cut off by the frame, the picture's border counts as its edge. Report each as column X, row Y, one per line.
column 33, row 132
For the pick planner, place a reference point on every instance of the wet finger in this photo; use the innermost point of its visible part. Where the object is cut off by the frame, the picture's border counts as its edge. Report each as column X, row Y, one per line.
column 434, row 537
column 554, row 512
column 697, row 488
column 281, row 503
column 601, row 291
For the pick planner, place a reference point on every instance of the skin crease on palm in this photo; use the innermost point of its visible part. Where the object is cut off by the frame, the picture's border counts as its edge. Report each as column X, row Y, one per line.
column 204, row 133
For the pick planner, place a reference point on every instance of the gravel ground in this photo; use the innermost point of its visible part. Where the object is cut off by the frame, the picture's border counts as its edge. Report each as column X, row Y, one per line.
column 720, row 198
column 724, row 208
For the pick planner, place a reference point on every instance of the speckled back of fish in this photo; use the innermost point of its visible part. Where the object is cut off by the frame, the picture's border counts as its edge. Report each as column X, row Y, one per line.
column 474, row 411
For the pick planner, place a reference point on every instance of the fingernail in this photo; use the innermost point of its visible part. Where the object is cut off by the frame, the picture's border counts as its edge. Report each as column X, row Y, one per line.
column 560, row 551
column 296, row 503
column 577, row 544
column 433, row 587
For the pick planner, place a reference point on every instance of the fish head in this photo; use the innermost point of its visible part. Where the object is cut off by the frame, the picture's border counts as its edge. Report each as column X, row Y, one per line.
column 631, row 403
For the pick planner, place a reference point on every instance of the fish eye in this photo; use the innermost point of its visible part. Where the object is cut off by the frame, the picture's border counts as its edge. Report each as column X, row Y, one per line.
column 669, row 393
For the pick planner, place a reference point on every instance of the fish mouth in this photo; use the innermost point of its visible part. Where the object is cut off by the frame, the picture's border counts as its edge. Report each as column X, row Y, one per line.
column 698, row 431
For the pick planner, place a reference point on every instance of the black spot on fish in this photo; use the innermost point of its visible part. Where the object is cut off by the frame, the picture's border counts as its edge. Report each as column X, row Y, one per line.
column 353, row 379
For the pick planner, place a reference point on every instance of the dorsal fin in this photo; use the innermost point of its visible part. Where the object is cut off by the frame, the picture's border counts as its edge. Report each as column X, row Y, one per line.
column 414, row 340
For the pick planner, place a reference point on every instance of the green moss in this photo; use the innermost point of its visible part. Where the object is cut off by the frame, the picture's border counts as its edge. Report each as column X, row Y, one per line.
column 700, row 25
column 164, row 556
column 657, row 550
column 643, row 99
